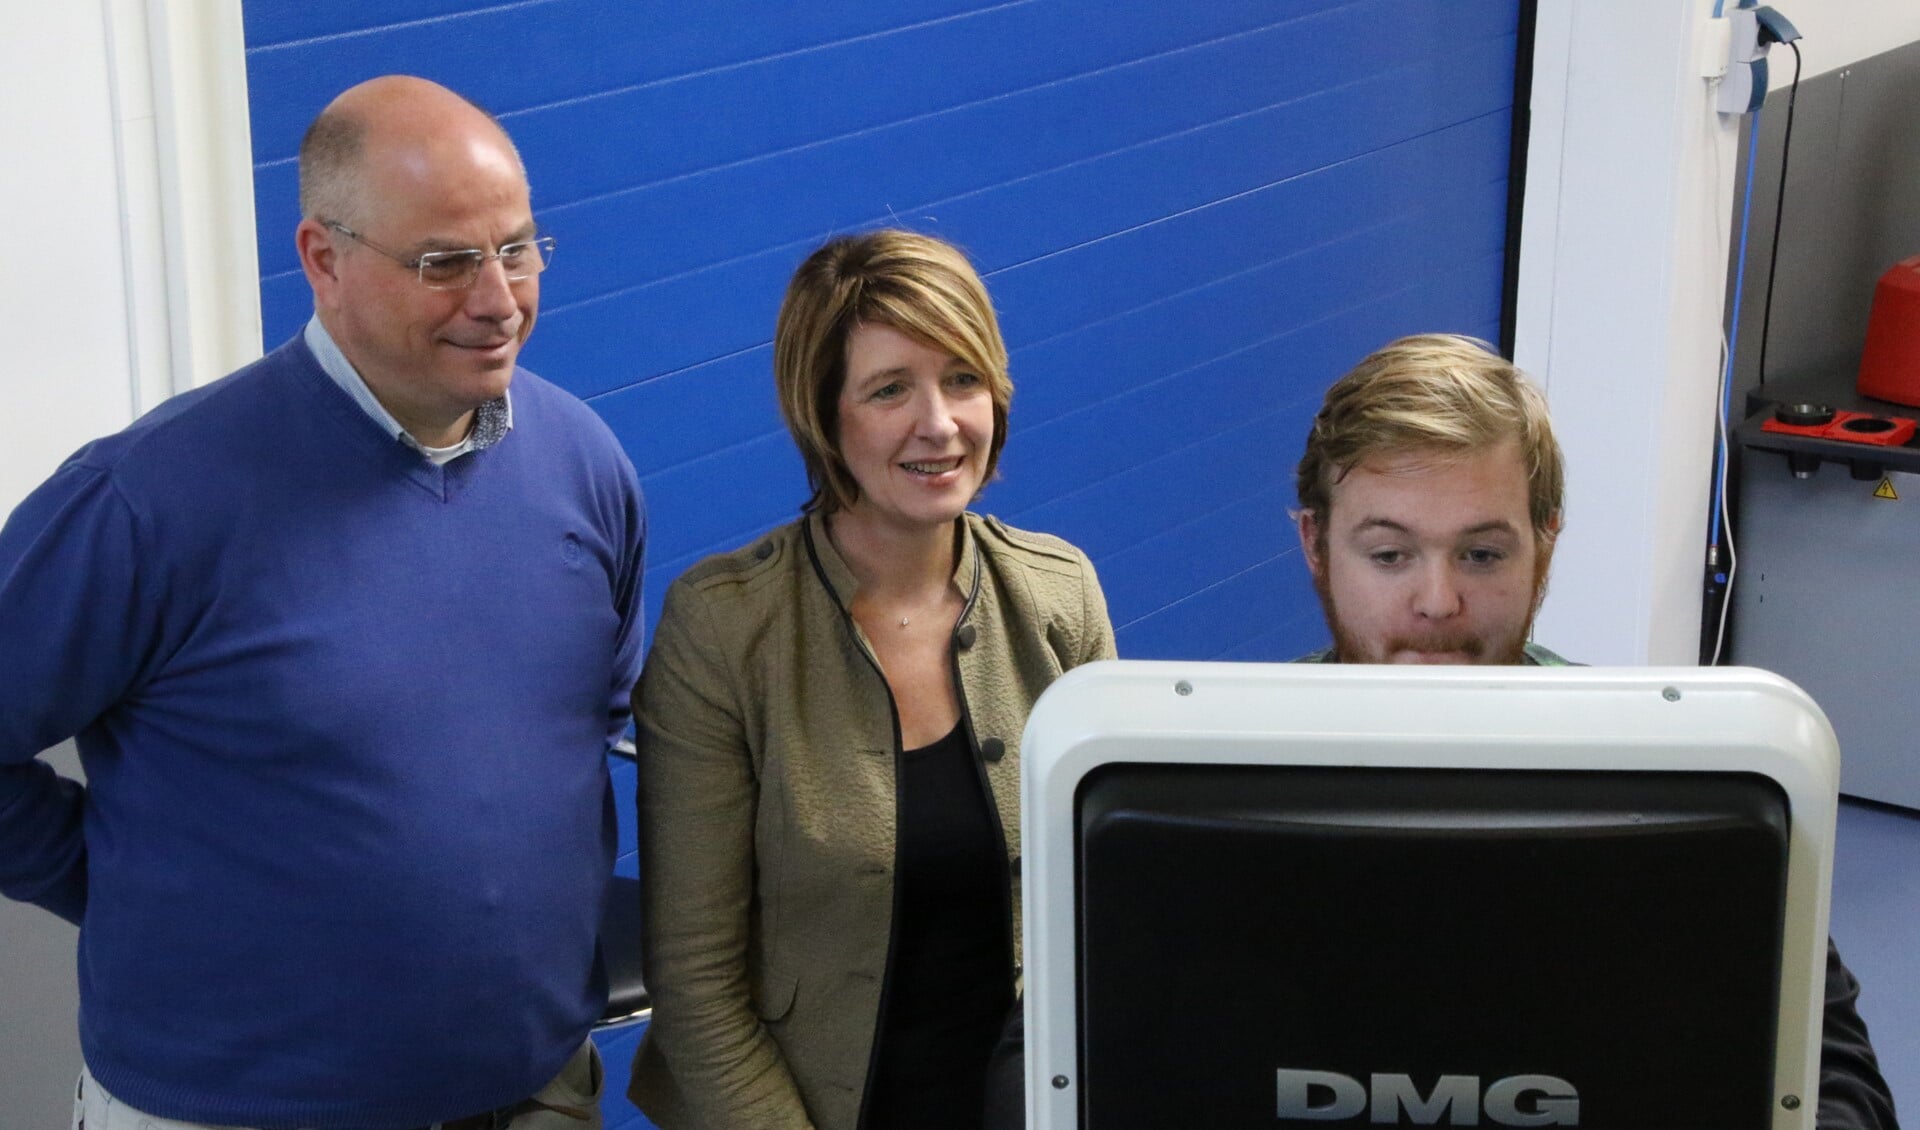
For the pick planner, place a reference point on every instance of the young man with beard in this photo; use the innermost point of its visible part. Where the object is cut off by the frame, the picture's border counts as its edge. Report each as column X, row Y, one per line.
column 1431, row 493
column 1449, row 485
column 1430, row 497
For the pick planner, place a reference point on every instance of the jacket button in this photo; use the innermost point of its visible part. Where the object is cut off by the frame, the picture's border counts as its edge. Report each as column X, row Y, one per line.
column 993, row 749
column 964, row 637
column 763, row 551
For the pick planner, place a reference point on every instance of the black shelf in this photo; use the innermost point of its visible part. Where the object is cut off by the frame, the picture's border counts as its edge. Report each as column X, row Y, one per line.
column 1804, row 454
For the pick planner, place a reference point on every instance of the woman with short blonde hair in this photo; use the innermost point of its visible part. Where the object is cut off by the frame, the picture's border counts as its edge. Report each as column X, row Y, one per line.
column 830, row 723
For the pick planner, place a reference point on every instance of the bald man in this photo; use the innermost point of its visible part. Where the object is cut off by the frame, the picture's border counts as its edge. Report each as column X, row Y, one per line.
column 343, row 639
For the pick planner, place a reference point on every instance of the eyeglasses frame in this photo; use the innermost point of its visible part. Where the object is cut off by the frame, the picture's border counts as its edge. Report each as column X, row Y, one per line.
column 419, row 263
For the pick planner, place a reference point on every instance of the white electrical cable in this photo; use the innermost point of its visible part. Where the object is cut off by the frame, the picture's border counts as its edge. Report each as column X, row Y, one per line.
column 1726, row 519
column 1720, row 396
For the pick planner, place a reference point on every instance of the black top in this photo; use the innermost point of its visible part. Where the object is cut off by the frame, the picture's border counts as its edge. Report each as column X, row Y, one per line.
column 1853, row 1093
column 950, row 969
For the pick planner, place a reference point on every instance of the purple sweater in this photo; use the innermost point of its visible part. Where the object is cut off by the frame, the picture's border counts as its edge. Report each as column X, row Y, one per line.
column 343, row 850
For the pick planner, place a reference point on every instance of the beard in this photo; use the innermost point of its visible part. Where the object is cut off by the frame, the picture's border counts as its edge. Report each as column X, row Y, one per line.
column 1347, row 646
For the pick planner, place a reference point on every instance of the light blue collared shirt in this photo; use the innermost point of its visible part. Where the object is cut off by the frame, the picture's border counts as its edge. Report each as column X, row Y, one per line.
column 491, row 420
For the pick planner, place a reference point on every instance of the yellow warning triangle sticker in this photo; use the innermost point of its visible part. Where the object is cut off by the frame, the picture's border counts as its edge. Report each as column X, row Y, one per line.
column 1885, row 490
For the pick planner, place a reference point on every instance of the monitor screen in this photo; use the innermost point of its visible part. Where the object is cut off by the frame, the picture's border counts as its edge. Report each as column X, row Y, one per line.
column 1504, row 916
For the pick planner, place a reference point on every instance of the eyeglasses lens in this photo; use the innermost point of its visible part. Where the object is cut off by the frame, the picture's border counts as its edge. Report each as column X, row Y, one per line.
column 451, row 270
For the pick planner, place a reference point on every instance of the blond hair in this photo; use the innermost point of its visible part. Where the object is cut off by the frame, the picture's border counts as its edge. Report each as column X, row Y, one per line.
column 1438, row 393
column 916, row 284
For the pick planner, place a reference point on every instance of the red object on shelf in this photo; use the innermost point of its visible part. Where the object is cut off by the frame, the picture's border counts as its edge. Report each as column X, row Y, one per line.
column 1852, row 427
column 1890, row 366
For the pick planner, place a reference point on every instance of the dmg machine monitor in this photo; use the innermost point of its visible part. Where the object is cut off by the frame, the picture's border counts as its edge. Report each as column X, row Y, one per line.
column 1291, row 896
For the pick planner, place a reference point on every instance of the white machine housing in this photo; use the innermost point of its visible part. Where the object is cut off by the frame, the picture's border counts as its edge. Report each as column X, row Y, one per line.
column 1504, row 718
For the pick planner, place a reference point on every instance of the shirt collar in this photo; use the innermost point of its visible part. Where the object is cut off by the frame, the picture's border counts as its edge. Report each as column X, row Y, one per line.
column 491, row 421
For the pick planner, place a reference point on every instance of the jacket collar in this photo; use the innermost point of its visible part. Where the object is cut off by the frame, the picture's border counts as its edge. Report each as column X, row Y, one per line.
column 833, row 571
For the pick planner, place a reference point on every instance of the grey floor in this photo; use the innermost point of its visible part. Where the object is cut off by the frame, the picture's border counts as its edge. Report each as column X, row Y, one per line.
column 1876, row 923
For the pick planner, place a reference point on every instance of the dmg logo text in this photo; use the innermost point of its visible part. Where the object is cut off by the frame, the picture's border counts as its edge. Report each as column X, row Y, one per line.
column 1455, row 1100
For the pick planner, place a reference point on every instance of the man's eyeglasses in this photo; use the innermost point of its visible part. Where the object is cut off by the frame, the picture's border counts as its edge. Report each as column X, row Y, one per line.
column 456, row 270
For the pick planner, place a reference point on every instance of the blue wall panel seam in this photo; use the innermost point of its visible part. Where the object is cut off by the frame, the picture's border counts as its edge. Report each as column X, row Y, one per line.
column 1311, row 616
column 1109, row 555
column 1161, row 381
column 1444, row 126
column 774, row 56
column 1205, row 589
column 1082, row 327
column 722, row 263
column 655, row 83
column 665, row 373
column 712, row 453
column 1242, row 424
column 1001, row 96
column 1321, row 321
column 1175, row 296
column 1244, row 193
column 360, row 33
column 811, row 241
column 668, row 80
column 668, row 570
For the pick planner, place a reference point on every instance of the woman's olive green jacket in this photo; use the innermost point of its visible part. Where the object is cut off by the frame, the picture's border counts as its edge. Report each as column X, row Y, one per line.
column 767, row 740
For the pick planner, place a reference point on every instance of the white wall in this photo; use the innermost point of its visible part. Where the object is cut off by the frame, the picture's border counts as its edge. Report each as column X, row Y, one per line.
column 1622, row 277
column 128, row 192
column 66, row 377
